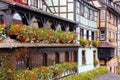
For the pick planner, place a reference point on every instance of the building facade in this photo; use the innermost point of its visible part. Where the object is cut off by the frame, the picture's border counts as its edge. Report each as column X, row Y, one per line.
column 86, row 16
column 41, row 53
column 107, row 50
column 79, row 11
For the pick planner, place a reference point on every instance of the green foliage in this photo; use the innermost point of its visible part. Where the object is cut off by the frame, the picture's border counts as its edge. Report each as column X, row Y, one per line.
column 88, row 75
column 95, row 43
column 44, row 73
column 95, row 62
column 27, row 34
column 5, row 68
column 118, row 70
column 83, row 42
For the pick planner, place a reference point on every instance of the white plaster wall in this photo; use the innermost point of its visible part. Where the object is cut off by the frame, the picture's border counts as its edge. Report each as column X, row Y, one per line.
column 78, row 32
column 90, row 36
column 89, row 59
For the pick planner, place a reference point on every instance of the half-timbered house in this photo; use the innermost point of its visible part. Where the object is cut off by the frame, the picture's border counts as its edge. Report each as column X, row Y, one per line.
column 42, row 53
column 86, row 15
column 107, row 50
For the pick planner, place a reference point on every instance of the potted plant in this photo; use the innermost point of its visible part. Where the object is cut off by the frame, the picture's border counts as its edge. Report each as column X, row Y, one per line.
column 13, row 31
column 83, row 42
column 88, row 42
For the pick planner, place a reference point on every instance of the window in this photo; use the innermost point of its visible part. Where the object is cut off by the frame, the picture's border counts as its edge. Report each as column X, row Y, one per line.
column 102, row 15
column 66, row 56
column 83, row 57
column 44, row 63
column 87, row 36
column 34, row 3
column 82, row 9
column 57, row 58
column 81, row 32
column 102, row 35
column 93, row 36
column 75, row 56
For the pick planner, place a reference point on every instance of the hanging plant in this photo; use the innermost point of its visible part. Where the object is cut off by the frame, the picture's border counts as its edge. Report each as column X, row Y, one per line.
column 88, row 42
column 95, row 43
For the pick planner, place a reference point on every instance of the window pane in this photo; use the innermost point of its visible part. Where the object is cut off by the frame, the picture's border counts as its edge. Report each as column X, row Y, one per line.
column 83, row 57
column 102, row 15
column 102, row 35
column 34, row 3
column 62, row 2
column 70, row 7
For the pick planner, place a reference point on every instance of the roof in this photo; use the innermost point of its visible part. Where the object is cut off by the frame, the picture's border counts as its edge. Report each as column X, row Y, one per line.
column 11, row 43
column 92, row 5
column 105, row 44
column 95, row 3
column 39, row 11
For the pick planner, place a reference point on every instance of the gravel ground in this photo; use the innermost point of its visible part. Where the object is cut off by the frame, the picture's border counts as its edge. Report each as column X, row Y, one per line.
column 109, row 76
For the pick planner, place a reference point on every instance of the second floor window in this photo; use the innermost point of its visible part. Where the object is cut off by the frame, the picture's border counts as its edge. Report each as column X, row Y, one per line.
column 82, row 9
column 87, row 36
column 81, row 32
column 102, row 15
column 102, row 35
column 93, row 36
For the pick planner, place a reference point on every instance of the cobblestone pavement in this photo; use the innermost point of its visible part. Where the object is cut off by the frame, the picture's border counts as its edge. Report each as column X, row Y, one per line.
column 109, row 76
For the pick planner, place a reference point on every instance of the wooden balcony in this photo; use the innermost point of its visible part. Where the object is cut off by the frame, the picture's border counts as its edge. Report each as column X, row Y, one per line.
column 105, row 53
